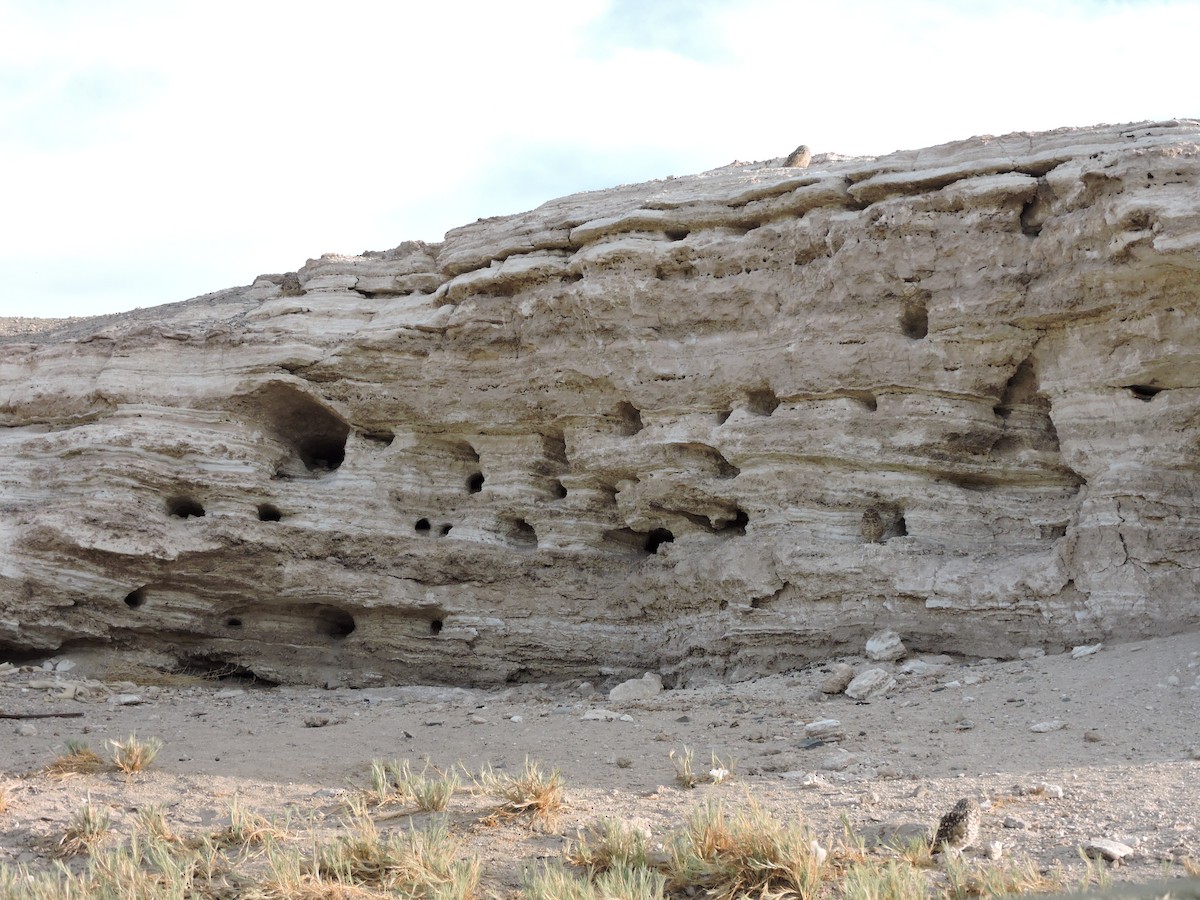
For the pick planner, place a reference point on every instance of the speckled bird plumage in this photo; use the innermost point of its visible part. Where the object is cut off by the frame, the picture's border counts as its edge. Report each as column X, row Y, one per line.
column 959, row 828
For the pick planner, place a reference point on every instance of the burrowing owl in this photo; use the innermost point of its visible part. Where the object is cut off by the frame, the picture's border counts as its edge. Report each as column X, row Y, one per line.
column 959, row 828
column 799, row 158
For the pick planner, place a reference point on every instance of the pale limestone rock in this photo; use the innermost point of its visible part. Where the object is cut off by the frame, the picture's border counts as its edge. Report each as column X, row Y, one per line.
column 839, row 676
column 647, row 687
column 715, row 425
column 885, row 646
column 870, row 683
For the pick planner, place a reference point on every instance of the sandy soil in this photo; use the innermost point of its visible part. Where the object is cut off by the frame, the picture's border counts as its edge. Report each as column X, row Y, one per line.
column 1126, row 759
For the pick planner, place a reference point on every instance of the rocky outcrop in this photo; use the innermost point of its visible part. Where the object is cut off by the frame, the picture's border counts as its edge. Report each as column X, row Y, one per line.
column 712, row 425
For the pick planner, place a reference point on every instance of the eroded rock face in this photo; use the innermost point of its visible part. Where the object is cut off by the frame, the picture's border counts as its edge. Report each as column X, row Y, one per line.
column 712, row 425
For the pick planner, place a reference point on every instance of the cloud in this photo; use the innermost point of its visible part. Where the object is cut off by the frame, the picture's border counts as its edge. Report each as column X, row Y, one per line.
column 175, row 149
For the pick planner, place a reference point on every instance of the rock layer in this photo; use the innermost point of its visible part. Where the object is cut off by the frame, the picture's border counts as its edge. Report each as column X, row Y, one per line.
column 707, row 426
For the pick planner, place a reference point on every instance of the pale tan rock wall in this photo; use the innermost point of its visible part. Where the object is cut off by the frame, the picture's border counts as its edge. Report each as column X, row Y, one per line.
column 952, row 392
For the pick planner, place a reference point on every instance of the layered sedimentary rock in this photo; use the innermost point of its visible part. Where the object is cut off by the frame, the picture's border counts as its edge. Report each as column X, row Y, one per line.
column 706, row 426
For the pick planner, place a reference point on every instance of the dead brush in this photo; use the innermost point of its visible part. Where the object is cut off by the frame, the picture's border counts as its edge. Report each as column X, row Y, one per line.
column 79, row 759
column 87, row 827
column 246, row 829
column 915, row 850
column 396, row 782
column 746, row 853
column 686, row 776
column 553, row 882
column 893, row 880
column 610, row 844
column 535, row 793
column 412, row 862
column 134, row 755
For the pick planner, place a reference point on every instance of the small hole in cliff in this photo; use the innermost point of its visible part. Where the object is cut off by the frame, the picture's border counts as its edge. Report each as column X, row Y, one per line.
column 233, row 623
column 383, row 438
column 559, row 490
column 435, row 626
column 522, row 534
column 322, row 454
column 475, row 483
column 657, row 538
column 1053, row 532
column 881, row 523
column 630, row 418
column 723, row 416
column 184, row 507
column 762, row 402
column 677, row 234
column 1143, row 392
column 134, row 599
column 446, row 530
column 723, row 605
column 422, row 525
column 269, row 513
column 335, row 623
column 914, row 321
column 737, row 525
column 866, row 399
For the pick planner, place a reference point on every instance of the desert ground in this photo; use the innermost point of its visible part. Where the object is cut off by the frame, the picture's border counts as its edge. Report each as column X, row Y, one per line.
column 1116, row 756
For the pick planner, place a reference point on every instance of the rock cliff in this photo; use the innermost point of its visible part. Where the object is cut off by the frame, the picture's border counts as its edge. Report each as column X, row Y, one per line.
column 709, row 426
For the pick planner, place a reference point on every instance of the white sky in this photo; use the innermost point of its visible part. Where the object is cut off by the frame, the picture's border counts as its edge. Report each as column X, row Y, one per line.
column 154, row 150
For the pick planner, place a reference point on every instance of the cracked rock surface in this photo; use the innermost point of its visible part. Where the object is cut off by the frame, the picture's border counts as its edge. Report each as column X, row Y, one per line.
column 710, row 426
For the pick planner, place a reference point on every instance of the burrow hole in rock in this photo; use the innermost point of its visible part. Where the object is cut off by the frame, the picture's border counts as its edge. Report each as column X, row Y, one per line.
column 676, row 234
column 882, row 523
column 521, row 533
column 558, row 490
column 700, row 459
column 383, row 438
column 1053, row 532
column 629, row 418
column 333, row 622
column 865, row 399
column 1143, row 392
column 762, row 402
column 914, row 320
column 314, row 433
column 736, row 525
column 233, row 622
column 268, row 512
column 656, row 538
column 723, row 416
column 435, row 626
column 422, row 526
column 184, row 507
column 475, row 482
column 445, row 530
column 217, row 668
column 136, row 598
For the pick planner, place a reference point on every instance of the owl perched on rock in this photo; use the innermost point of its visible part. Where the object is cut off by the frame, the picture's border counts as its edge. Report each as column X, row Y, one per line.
column 959, row 828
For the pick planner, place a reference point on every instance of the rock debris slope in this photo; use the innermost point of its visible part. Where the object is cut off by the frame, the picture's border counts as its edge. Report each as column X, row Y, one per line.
column 712, row 426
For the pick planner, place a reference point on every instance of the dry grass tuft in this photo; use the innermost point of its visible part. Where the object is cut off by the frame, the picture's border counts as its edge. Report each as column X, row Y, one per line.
column 87, row 828
column 893, row 880
column 134, row 755
column 395, row 782
column 610, row 844
column 246, row 829
column 537, row 794
column 746, row 853
column 686, row 776
column 553, row 882
column 80, row 759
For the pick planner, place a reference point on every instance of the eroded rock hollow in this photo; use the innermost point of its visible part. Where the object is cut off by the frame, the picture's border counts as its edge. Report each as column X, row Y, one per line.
column 708, row 426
